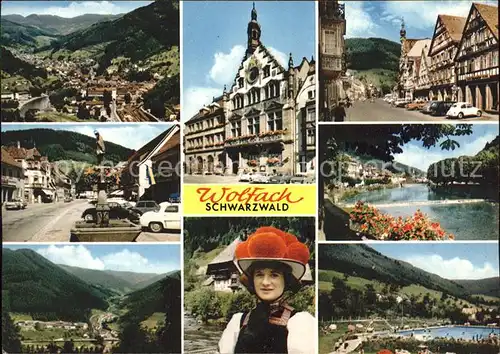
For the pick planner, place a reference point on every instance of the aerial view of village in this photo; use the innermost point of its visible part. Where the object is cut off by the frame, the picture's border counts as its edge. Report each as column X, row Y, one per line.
column 91, row 299
column 250, row 109
column 427, row 298
column 110, row 62
column 408, row 61
column 213, row 289
column 409, row 182
column 110, row 182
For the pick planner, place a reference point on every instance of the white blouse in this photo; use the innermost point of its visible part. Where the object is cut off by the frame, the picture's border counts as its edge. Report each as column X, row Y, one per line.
column 301, row 334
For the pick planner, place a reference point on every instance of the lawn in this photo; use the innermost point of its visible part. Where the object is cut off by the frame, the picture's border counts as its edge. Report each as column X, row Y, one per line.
column 152, row 321
column 16, row 317
column 202, row 259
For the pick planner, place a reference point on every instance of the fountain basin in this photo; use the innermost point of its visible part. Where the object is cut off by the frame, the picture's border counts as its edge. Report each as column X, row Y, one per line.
column 116, row 231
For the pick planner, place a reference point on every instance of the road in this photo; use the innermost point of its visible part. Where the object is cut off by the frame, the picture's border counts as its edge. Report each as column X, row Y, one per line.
column 52, row 222
column 380, row 111
column 46, row 222
column 211, row 179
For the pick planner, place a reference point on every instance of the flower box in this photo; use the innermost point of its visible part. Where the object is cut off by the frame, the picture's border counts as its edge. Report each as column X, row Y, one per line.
column 252, row 163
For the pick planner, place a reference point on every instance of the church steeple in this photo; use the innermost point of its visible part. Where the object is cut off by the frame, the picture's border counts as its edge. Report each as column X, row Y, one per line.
column 253, row 32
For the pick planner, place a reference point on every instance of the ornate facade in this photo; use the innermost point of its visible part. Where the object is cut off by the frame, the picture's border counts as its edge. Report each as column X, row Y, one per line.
column 263, row 122
column 422, row 77
column 409, row 62
column 332, row 29
column 442, row 51
column 477, row 58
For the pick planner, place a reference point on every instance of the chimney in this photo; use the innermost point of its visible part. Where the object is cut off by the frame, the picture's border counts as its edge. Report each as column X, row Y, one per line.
column 18, row 144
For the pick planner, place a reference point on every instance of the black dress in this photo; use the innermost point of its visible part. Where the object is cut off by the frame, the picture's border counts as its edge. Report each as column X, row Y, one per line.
column 264, row 329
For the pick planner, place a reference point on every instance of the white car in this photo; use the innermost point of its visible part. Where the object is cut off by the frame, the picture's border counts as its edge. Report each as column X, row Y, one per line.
column 463, row 109
column 245, row 177
column 168, row 217
column 260, row 177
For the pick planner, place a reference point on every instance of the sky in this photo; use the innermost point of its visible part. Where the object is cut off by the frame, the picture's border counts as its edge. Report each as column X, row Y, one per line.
column 132, row 136
column 383, row 18
column 137, row 258
column 415, row 155
column 448, row 260
column 69, row 9
column 215, row 39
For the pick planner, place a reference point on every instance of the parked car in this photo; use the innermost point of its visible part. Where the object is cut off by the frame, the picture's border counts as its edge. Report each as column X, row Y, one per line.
column 244, row 177
column 298, row 178
column 401, row 103
column 144, row 206
column 16, row 204
column 441, row 107
column 167, row 217
column 463, row 109
column 280, row 178
column 68, row 199
column 415, row 106
column 427, row 107
column 116, row 211
column 260, row 177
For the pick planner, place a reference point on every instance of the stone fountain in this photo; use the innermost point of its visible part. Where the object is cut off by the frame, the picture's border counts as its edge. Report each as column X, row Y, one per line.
column 103, row 229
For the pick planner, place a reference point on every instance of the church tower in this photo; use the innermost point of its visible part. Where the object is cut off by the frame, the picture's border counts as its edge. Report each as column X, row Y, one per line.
column 253, row 32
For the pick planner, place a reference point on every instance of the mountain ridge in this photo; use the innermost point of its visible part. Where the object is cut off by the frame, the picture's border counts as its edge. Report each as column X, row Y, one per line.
column 64, row 145
column 57, row 25
column 365, row 262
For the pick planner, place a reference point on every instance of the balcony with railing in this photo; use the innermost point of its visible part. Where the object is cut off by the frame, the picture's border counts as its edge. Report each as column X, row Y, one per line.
column 274, row 136
column 10, row 181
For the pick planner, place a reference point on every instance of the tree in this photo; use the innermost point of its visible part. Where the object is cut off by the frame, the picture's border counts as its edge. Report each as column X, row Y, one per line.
column 128, row 98
column 107, row 98
column 381, row 142
column 11, row 341
column 30, row 115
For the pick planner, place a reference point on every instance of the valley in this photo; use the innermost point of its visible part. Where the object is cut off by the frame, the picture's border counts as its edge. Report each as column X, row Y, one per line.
column 103, row 69
column 52, row 306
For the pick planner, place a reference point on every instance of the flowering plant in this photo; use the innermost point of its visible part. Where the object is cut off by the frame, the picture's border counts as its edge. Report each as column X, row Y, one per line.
column 252, row 163
column 272, row 161
column 369, row 220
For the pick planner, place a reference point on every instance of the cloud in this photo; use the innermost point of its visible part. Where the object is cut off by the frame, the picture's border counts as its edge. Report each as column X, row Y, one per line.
column 130, row 136
column 195, row 97
column 72, row 9
column 455, row 268
column 226, row 65
column 359, row 23
column 124, row 260
column 76, row 256
column 423, row 14
column 417, row 156
column 281, row 57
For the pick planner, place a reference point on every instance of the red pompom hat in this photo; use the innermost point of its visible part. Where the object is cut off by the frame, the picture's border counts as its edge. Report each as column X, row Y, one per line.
column 271, row 244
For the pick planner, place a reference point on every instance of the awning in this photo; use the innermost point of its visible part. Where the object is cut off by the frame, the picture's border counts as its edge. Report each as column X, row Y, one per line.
column 48, row 192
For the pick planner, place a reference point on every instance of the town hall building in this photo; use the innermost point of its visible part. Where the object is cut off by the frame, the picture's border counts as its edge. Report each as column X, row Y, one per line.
column 265, row 121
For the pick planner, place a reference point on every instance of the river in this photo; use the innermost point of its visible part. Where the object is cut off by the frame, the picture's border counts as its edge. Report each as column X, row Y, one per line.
column 475, row 221
column 200, row 338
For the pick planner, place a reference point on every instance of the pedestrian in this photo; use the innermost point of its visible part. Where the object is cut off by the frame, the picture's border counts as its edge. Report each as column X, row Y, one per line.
column 271, row 263
column 100, row 149
column 339, row 112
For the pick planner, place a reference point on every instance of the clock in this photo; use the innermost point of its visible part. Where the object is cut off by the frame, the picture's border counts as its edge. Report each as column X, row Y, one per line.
column 252, row 74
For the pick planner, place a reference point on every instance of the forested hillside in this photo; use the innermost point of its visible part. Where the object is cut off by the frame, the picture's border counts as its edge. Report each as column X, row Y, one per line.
column 363, row 261
column 226, row 230
column 64, row 145
column 56, row 25
column 374, row 61
column 34, row 285
column 137, row 35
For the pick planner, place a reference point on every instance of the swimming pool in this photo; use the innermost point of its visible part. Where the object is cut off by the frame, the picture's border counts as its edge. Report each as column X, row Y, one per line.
column 463, row 332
